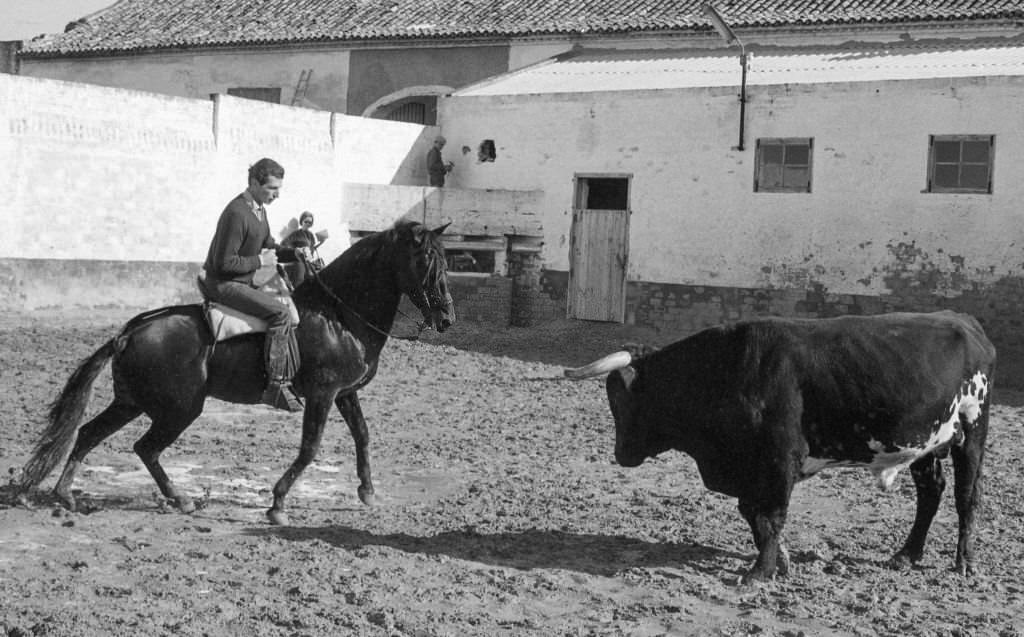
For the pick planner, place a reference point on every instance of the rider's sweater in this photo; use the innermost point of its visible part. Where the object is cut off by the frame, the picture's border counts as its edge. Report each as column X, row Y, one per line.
column 242, row 232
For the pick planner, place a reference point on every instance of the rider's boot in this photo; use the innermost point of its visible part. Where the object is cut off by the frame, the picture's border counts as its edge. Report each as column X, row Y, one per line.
column 279, row 392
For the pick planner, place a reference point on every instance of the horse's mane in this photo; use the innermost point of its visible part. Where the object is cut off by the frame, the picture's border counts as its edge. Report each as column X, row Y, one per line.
column 359, row 255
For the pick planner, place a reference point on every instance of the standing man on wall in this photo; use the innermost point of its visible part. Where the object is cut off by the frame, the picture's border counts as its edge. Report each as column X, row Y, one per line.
column 236, row 253
column 437, row 168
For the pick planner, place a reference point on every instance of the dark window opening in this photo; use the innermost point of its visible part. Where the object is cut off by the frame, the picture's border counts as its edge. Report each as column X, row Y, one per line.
column 268, row 94
column 783, row 165
column 486, row 152
column 606, row 193
column 470, row 260
column 961, row 163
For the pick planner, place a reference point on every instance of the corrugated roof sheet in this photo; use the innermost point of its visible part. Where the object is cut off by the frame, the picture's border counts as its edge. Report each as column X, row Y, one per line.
column 132, row 25
column 595, row 71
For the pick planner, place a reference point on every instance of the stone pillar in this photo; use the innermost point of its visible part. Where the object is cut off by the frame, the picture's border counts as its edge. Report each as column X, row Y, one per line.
column 524, row 268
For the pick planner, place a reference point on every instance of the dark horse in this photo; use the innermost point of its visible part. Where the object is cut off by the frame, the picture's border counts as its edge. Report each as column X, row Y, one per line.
column 165, row 363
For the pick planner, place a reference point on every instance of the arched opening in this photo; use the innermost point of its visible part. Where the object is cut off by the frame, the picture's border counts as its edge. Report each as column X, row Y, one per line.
column 421, row 109
column 414, row 104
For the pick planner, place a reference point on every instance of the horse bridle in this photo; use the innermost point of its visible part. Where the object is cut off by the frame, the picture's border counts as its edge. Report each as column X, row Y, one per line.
column 420, row 325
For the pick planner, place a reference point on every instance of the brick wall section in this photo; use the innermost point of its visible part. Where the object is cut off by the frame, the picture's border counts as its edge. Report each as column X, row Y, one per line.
column 528, row 296
column 482, row 299
column 551, row 300
column 534, row 299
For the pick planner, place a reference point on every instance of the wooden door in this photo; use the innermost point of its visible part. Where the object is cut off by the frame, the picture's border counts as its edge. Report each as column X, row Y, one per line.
column 599, row 253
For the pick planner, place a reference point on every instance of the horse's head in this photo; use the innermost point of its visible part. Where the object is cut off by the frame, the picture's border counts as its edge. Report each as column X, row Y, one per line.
column 423, row 275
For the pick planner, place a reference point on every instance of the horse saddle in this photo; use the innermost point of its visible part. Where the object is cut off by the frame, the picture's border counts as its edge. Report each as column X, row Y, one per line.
column 226, row 322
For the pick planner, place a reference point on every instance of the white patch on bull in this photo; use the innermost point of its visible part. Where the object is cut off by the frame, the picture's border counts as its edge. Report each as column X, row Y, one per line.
column 886, row 464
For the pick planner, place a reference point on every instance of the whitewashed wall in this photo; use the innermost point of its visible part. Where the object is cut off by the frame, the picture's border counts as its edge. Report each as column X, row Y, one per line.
column 112, row 174
column 696, row 219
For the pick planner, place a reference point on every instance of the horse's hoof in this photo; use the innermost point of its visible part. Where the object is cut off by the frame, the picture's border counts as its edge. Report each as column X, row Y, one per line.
column 25, row 502
column 277, row 517
column 367, row 496
column 67, row 501
column 185, row 504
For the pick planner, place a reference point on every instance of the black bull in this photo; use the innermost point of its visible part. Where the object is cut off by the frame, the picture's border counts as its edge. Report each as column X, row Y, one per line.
column 764, row 404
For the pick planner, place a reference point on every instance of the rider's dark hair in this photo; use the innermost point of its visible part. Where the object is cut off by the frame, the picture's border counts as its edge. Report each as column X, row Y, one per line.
column 265, row 168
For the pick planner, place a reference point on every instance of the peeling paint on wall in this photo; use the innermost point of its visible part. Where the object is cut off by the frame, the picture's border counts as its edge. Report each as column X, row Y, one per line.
column 913, row 267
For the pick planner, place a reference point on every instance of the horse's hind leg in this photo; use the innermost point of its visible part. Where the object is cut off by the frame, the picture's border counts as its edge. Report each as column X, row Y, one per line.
column 111, row 419
column 162, row 434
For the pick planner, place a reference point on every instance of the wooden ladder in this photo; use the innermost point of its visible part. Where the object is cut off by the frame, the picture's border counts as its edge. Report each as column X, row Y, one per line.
column 300, row 88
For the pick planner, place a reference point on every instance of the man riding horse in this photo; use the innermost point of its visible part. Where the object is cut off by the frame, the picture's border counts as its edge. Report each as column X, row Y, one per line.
column 235, row 254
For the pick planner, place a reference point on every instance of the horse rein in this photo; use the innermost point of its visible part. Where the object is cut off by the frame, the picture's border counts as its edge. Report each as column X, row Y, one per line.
column 334, row 297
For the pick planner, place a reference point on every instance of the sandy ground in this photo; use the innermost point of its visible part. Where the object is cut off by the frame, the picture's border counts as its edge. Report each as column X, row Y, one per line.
column 502, row 513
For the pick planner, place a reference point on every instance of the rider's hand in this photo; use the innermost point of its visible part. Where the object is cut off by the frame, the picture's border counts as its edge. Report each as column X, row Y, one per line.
column 267, row 258
column 286, row 255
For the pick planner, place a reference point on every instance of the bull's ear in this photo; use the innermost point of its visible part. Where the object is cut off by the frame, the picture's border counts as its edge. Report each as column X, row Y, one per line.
column 440, row 229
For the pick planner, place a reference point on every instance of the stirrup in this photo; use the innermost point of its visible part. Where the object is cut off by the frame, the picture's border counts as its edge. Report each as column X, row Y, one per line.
column 282, row 396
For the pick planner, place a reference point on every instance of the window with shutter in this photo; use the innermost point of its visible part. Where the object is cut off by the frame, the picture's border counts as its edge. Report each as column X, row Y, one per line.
column 783, row 165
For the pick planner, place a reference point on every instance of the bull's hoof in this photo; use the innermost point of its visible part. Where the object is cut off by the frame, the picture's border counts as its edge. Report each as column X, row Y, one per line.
column 902, row 561
column 367, row 496
column 966, row 568
column 754, row 577
column 782, row 562
column 278, row 517
column 746, row 583
column 185, row 504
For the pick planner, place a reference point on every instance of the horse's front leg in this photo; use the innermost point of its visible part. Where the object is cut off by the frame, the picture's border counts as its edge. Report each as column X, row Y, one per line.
column 348, row 405
column 313, row 419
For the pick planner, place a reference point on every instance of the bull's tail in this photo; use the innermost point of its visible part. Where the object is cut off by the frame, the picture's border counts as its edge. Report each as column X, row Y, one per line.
column 65, row 416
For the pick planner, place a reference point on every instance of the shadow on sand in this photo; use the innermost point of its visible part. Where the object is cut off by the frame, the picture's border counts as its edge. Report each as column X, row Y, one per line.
column 561, row 342
column 530, row 549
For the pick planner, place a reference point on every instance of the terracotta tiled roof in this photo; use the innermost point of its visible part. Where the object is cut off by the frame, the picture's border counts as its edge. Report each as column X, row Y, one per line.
column 133, row 25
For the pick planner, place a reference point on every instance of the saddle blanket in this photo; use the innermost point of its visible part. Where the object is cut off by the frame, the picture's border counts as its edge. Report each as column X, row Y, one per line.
column 226, row 322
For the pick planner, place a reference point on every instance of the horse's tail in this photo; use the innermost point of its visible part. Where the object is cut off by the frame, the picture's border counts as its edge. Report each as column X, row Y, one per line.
column 65, row 416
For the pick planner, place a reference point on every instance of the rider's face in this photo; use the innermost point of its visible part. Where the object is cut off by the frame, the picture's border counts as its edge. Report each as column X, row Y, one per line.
column 265, row 193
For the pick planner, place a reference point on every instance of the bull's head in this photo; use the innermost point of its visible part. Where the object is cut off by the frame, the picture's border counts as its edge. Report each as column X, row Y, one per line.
column 631, row 430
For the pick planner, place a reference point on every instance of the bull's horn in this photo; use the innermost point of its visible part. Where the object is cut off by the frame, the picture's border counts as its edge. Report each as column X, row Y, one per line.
column 610, row 362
